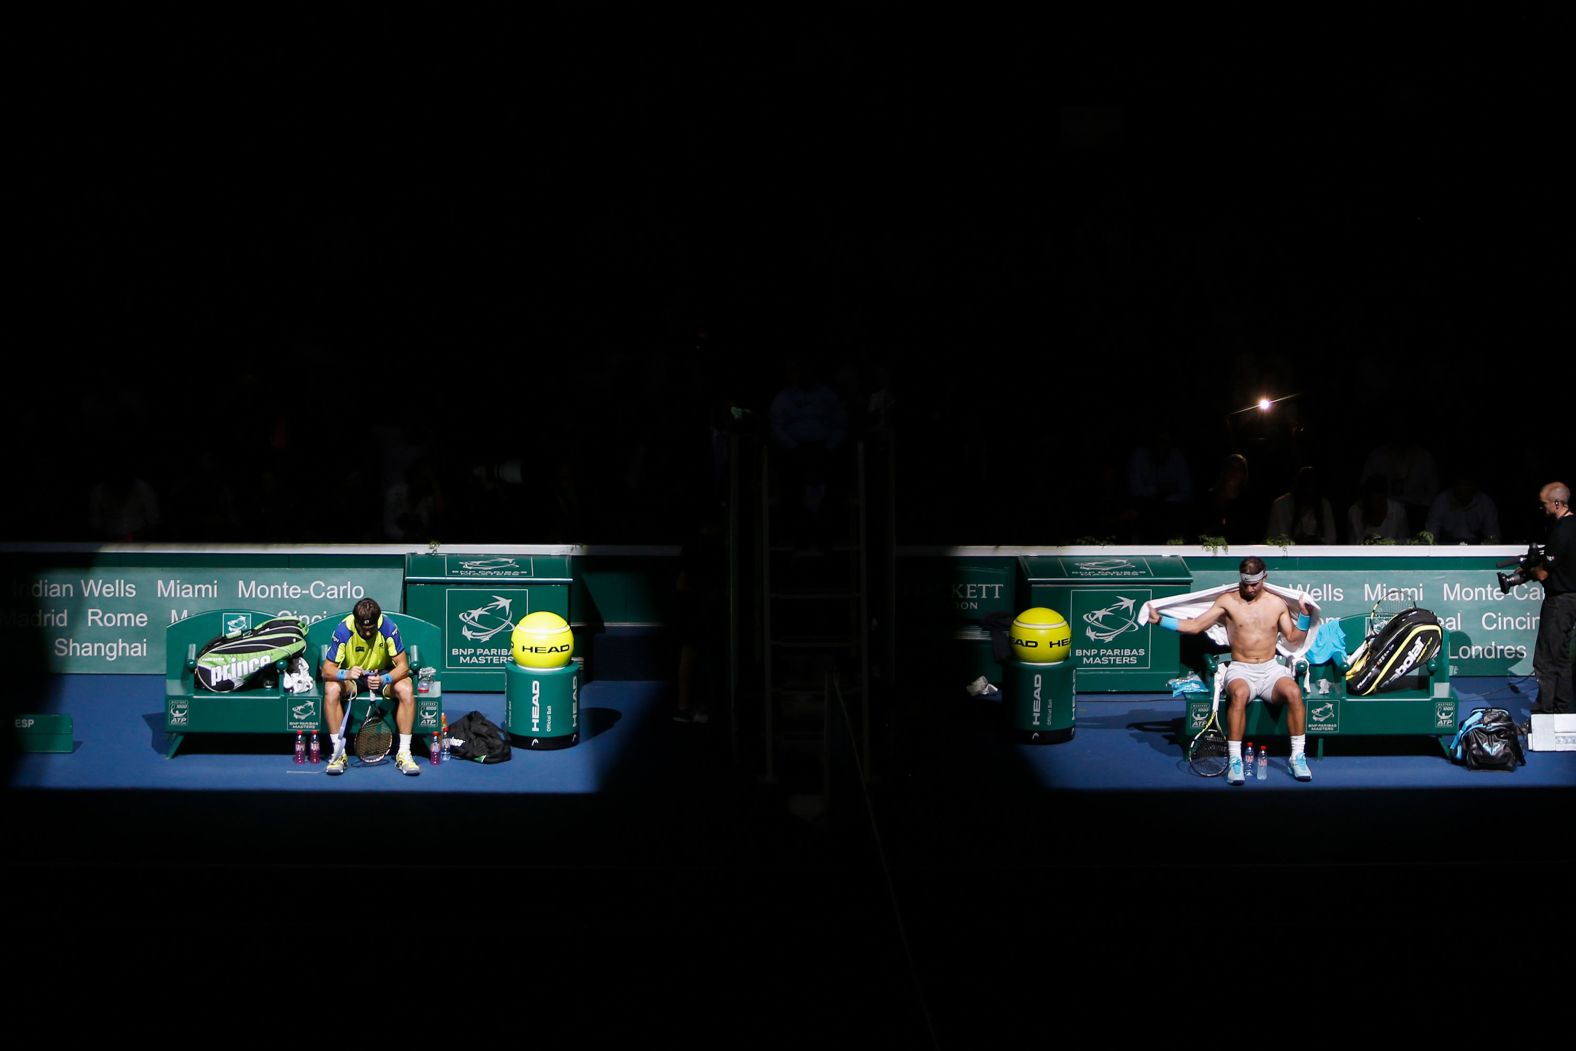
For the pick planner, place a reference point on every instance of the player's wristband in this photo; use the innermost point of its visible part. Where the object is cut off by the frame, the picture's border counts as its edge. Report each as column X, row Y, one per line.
column 1169, row 623
column 341, row 675
column 1303, row 622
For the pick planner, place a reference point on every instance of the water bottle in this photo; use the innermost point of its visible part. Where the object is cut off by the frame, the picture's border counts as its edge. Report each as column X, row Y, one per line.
column 435, row 753
column 1264, row 765
column 300, row 751
column 316, row 754
column 444, row 738
column 1247, row 758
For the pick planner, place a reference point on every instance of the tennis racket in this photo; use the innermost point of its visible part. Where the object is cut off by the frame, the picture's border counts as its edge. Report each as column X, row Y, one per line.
column 374, row 737
column 1208, row 755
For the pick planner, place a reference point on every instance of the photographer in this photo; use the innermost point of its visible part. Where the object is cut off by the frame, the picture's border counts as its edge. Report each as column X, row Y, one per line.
column 1551, row 658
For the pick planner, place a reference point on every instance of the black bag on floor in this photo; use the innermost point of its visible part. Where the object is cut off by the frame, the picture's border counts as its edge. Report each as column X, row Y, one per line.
column 479, row 739
column 1410, row 640
column 249, row 658
column 1488, row 740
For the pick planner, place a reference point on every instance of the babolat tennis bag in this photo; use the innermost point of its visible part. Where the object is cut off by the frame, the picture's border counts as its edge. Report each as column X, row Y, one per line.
column 1400, row 648
column 239, row 662
column 1488, row 740
column 479, row 739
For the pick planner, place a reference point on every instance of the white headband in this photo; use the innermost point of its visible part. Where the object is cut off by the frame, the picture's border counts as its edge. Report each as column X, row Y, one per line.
column 1253, row 578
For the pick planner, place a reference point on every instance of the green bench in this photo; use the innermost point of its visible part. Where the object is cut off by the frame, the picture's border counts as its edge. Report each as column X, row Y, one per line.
column 189, row 709
column 1425, row 705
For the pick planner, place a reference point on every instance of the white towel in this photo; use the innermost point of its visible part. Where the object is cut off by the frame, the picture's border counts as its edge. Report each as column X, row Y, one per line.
column 1196, row 603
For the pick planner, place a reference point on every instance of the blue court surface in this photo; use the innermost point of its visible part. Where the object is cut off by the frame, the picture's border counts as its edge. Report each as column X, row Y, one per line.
column 969, row 886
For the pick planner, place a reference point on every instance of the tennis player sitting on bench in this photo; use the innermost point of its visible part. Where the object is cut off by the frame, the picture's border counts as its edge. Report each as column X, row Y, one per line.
column 366, row 649
column 1253, row 618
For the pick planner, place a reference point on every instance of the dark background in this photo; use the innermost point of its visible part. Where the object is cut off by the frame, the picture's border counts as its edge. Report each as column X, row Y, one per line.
column 259, row 250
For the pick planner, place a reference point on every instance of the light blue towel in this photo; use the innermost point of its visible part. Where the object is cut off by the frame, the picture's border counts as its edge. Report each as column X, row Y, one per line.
column 1329, row 644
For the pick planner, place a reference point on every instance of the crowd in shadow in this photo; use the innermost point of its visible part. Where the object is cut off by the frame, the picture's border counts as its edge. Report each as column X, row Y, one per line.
column 640, row 451
column 634, row 451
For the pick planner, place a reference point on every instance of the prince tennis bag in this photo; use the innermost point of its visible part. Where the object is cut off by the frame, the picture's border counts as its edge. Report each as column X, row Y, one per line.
column 238, row 662
column 1488, row 740
column 1409, row 641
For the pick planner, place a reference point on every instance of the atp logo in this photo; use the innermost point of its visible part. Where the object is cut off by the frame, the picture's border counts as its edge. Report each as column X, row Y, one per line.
column 427, row 713
column 484, row 622
column 180, row 713
column 1445, row 714
column 1105, row 625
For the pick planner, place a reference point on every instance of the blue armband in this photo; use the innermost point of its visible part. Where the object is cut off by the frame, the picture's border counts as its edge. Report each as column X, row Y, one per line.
column 1169, row 623
column 341, row 675
column 1303, row 622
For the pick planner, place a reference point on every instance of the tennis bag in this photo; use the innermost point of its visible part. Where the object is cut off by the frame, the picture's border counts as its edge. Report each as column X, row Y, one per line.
column 479, row 739
column 249, row 659
column 1488, row 740
column 1410, row 640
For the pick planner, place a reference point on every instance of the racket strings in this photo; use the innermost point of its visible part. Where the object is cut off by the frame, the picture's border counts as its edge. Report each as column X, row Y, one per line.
column 374, row 738
column 1209, row 754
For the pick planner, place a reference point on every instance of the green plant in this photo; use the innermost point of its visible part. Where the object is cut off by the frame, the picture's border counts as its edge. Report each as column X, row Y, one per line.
column 1215, row 545
column 1176, row 541
column 1285, row 543
column 1422, row 537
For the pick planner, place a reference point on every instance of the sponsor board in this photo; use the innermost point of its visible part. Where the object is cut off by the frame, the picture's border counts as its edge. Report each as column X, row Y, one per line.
column 91, row 620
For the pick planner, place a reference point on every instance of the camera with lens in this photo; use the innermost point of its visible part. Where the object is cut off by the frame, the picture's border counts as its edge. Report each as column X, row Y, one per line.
column 1524, row 566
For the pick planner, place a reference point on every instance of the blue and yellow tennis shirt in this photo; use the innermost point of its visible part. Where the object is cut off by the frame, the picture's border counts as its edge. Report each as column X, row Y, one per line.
column 349, row 650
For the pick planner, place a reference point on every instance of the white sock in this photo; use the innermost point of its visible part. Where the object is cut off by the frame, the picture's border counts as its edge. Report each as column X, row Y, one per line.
column 1298, row 743
column 339, row 745
column 404, row 742
column 1234, row 749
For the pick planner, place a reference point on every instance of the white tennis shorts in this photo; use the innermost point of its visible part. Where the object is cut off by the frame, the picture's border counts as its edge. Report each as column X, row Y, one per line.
column 1261, row 678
